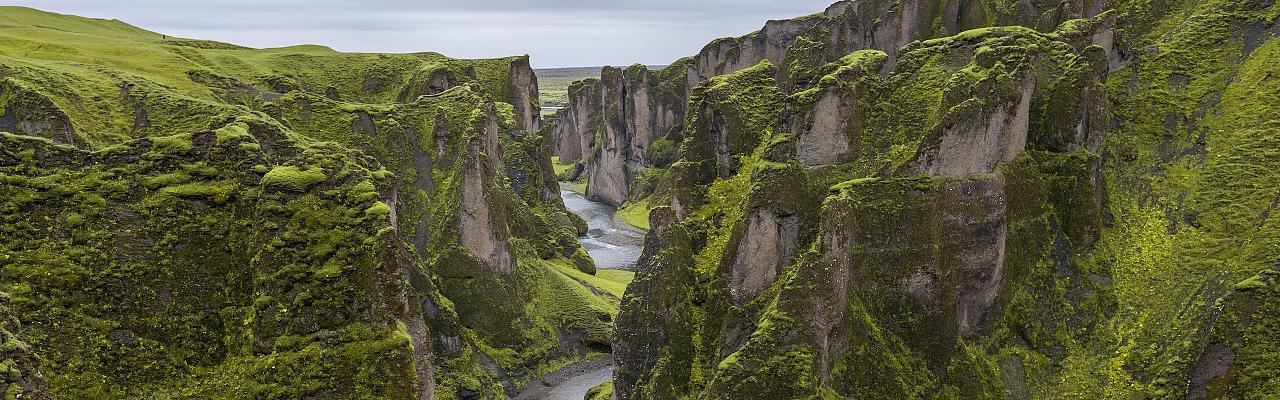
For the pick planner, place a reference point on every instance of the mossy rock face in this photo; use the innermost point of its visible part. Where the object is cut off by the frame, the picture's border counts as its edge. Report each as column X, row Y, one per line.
column 1097, row 227
column 1238, row 359
column 213, row 313
column 306, row 240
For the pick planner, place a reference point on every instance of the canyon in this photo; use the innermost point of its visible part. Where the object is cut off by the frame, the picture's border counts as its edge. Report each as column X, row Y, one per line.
column 885, row 199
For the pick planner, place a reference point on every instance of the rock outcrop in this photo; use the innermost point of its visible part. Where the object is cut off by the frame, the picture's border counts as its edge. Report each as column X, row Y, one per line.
column 27, row 112
column 482, row 234
column 937, row 240
column 655, row 102
column 523, row 88
column 827, row 120
column 573, row 136
column 343, row 226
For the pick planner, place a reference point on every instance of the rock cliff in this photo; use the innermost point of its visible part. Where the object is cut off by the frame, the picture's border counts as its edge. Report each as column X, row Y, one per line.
column 218, row 221
column 998, row 213
column 655, row 102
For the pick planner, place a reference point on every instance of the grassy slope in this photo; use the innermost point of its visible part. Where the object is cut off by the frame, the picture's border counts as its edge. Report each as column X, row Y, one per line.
column 78, row 61
column 1191, row 181
column 104, row 74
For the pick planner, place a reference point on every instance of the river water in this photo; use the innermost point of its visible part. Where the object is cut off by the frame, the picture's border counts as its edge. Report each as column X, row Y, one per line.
column 613, row 245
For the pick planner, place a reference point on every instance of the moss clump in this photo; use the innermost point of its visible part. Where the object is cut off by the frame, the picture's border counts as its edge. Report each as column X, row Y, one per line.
column 290, row 177
column 636, row 214
column 378, row 210
column 603, row 391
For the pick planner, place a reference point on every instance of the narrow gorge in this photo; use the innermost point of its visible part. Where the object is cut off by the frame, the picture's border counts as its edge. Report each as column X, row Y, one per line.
column 887, row 199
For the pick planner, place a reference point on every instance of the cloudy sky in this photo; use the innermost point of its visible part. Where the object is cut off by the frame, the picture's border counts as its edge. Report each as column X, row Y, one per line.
column 556, row 33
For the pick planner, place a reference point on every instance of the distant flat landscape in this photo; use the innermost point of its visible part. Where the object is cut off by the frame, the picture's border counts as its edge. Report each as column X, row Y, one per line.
column 553, row 84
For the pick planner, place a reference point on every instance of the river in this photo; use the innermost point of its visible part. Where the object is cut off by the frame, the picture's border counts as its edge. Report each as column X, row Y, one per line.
column 613, row 245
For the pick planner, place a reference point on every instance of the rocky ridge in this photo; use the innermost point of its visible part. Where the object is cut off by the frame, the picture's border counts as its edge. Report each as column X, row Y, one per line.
column 994, row 214
column 278, row 223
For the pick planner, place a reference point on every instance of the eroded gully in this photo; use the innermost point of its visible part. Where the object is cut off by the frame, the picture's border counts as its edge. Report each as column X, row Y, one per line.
column 612, row 245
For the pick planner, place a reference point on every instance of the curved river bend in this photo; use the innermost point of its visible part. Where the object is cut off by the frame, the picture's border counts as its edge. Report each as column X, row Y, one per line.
column 613, row 245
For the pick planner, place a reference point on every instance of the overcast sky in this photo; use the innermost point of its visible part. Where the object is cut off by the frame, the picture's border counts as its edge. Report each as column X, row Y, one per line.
column 556, row 33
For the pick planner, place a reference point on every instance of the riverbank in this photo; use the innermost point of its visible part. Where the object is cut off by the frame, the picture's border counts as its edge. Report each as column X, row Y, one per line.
column 615, row 246
column 610, row 241
column 571, row 382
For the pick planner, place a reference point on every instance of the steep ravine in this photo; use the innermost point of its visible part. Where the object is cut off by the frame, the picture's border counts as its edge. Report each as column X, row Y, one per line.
column 612, row 245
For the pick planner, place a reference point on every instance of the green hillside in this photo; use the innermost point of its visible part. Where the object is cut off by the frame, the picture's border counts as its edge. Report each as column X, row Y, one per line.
column 193, row 219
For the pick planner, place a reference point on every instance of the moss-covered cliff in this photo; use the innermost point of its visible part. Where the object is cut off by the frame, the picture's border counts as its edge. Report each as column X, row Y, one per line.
column 1079, row 210
column 194, row 219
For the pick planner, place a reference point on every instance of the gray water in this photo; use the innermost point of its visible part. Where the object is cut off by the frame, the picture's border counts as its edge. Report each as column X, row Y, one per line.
column 576, row 387
column 613, row 245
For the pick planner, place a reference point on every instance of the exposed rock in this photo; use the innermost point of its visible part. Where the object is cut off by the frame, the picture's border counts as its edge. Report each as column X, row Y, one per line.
column 769, row 244
column 827, row 141
column 27, row 112
column 482, row 233
column 980, row 137
column 828, row 130
column 574, row 133
column 523, row 94
column 639, row 115
column 608, row 174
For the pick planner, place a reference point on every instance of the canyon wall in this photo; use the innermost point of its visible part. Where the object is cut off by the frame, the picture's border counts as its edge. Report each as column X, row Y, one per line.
column 656, row 101
column 218, row 221
column 999, row 213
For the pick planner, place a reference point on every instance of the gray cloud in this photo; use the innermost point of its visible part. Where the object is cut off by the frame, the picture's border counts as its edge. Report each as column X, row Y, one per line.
column 554, row 32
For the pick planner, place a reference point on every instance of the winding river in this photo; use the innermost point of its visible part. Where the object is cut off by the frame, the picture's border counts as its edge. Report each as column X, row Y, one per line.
column 613, row 245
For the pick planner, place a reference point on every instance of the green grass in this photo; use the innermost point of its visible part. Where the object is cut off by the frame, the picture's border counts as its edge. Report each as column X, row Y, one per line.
column 611, row 281
column 636, row 214
column 560, row 168
column 182, row 84
column 577, row 187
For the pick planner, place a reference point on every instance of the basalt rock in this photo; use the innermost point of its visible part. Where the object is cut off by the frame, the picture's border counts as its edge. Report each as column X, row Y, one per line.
column 337, row 226
column 827, row 120
column 880, row 293
column 27, row 112
column 574, row 134
column 522, row 86
column 608, row 174
column 654, row 104
column 482, row 233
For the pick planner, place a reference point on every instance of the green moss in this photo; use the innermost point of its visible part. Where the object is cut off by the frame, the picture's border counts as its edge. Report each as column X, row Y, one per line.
column 378, row 210
column 603, row 391
column 292, row 178
column 636, row 214
column 216, row 191
column 170, row 145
